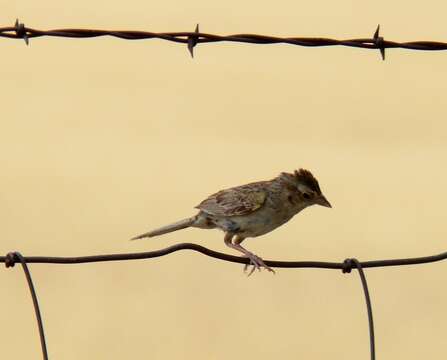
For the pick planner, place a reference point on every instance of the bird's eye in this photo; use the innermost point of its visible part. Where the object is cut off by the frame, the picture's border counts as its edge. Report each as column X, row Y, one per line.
column 307, row 196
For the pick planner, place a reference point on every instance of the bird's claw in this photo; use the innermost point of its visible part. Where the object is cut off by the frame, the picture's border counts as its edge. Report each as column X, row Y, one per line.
column 257, row 263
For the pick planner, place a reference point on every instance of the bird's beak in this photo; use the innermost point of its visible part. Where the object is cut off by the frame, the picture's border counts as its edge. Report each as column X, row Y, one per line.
column 323, row 201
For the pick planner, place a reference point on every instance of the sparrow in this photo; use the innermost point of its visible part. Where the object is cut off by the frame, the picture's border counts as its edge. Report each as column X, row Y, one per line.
column 252, row 210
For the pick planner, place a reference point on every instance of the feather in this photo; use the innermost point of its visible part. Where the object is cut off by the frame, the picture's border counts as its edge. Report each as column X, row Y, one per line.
column 239, row 200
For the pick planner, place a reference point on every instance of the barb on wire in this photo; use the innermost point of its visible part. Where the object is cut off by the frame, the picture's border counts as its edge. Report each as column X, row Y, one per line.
column 378, row 40
column 192, row 41
column 20, row 31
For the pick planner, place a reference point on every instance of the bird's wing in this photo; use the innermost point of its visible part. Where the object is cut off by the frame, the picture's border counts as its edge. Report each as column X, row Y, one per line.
column 239, row 200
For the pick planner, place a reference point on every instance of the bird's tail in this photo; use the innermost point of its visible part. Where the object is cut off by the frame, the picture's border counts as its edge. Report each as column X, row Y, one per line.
column 182, row 224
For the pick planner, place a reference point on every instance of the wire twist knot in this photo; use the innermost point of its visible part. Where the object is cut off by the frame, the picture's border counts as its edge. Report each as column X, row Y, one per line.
column 10, row 259
column 348, row 265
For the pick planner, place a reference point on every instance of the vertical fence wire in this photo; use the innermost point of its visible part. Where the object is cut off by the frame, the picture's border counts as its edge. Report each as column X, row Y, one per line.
column 10, row 262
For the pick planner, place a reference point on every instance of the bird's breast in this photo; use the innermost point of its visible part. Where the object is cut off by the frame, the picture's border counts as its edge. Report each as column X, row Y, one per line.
column 261, row 221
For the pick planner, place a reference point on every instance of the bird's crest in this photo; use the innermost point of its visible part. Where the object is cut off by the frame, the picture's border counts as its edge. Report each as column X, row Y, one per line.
column 306, row 178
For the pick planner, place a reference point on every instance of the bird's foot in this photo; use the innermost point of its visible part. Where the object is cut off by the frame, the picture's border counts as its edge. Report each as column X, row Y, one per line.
column 257, row 263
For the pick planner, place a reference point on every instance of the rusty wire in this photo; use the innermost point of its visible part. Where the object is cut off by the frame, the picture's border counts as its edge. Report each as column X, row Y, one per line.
column 346, row 266
column 192, row 39
column 10, row 260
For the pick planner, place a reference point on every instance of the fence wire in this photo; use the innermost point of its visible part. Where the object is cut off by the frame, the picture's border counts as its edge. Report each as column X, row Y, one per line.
column 346, row 266
column 192, row 39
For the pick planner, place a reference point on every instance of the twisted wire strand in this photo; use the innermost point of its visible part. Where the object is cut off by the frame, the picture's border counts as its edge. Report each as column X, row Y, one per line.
column 193, row 38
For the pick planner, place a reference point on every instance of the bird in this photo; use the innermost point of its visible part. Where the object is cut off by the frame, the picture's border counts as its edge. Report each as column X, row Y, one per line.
column 252, row 210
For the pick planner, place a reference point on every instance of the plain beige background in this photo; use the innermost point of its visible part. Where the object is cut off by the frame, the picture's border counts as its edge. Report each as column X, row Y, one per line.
column 102, row 139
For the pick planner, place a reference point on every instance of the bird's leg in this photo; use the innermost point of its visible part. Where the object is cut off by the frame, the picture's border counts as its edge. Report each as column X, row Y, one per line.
column 259, row 263
column 253, row 258
column 237, row 240
column 256, row 261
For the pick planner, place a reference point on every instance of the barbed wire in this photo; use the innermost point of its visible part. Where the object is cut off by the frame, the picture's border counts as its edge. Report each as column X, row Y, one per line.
column 192, row 39
column 346, row 266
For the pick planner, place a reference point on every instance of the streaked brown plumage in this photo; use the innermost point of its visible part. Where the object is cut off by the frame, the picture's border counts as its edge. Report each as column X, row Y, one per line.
column 253, row 209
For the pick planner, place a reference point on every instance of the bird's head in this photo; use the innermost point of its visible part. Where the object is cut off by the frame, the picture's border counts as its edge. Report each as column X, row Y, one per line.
column 305, row 188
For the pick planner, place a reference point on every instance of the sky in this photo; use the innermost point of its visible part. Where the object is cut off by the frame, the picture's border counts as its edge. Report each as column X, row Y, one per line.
column 103, row 139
